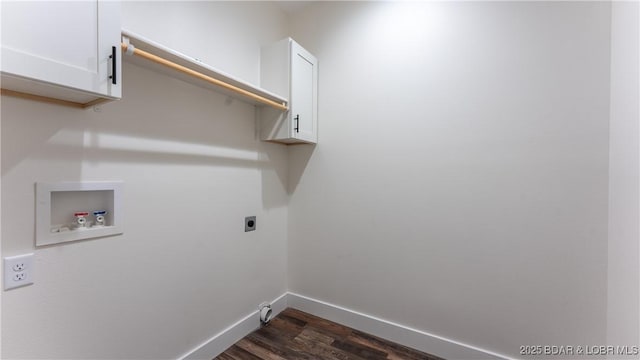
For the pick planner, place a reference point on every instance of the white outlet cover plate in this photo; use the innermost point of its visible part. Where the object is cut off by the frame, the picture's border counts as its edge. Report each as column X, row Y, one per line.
column 18, row 271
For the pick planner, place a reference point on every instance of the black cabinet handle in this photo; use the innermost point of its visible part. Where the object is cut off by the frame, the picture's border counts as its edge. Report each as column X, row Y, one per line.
column 113, row 65
column 297, row 119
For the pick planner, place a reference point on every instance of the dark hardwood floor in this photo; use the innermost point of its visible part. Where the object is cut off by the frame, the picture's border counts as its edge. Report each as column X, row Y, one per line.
column 294, row 334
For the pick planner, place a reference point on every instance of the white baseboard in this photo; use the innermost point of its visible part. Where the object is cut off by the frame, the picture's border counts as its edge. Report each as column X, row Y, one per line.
column 416, row 339
column 229, row 336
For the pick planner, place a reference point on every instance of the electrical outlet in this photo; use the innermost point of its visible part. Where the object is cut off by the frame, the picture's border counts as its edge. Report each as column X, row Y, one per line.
column 18, row 271
column 249, row 223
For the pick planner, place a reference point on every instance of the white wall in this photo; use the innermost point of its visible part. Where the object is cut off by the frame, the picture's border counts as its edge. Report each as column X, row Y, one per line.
column 226, row 34
column 460, row 182
column 184, row 268
column 460, row 186
column 624, row 167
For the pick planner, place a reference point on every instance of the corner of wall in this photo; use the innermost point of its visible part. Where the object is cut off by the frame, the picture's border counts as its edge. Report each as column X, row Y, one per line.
column 623, row 270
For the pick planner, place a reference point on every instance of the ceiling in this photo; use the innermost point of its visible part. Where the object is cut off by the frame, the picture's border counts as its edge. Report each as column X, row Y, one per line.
column 293, row 7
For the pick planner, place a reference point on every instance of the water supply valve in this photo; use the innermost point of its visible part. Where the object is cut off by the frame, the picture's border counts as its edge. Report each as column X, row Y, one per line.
column 100, row 217
column 81, row 219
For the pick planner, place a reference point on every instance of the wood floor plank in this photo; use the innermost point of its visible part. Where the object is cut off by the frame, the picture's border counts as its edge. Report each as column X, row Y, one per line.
column 257, row 349
column 395, row 351
column 224, row 356
column 285, row 349
column 296, row 335
column 360, row 350
column 237, row 353
column 288, row 326
column 292, row 319
column 324, row 351
column 314, row 335
column 319, row 323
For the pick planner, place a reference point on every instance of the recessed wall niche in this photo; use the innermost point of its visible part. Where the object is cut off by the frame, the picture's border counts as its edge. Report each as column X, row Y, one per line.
column 70, row 211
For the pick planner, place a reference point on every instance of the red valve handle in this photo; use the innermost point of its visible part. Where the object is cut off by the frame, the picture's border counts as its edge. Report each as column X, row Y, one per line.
column 83, row 213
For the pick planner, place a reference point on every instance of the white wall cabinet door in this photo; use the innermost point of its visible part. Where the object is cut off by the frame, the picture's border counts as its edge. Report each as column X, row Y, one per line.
column 288, row 70
column 68, row 50
column 303, row 97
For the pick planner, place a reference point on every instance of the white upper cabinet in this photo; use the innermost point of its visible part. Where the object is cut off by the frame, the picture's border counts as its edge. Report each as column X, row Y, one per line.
column 66, row 50
column 290, row 71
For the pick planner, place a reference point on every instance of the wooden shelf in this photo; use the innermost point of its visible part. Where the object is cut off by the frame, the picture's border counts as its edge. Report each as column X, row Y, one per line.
column 196, row 72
